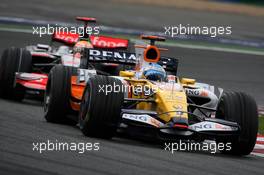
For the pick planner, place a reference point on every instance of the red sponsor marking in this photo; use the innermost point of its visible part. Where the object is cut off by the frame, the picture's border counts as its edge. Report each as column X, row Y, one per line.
column 218, row 126
column 66, row 37
column 204, row 94
column 180, row 126
column 108, row 42
column 40, row 55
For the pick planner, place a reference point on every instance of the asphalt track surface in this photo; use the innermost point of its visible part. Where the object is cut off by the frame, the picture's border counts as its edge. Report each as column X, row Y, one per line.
column 22, row 124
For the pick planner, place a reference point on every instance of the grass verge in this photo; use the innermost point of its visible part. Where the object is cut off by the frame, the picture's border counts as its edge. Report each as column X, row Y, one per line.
column 261, row 125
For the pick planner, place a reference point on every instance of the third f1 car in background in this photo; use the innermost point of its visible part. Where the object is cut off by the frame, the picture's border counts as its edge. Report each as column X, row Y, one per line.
column 160, row 107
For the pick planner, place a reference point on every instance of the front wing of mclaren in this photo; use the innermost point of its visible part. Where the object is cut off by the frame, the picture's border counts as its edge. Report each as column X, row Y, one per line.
column 33, row 82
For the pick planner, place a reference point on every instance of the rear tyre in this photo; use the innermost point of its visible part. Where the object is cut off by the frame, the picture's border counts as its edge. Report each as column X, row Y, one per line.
column 241, row 108
column 13, row 60
column 100, row 112
column 57, row 95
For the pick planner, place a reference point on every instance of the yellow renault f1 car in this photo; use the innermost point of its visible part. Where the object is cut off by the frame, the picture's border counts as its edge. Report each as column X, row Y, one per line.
column 153, row 101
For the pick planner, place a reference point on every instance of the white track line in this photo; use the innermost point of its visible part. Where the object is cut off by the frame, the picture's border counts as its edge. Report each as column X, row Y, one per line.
column 4, row 29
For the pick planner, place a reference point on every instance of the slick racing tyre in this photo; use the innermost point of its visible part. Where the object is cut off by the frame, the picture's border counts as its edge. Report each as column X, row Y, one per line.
column 57, row 95
column 13, row 60
column 241, row 108
column 100, row 112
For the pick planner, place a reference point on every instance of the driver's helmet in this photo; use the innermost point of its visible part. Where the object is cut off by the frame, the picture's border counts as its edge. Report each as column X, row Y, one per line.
column 79, row 46
column 154, row 72
column 82, row 44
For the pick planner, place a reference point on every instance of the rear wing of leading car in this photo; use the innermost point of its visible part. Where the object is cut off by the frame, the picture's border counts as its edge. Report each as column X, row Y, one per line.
column 119, row 57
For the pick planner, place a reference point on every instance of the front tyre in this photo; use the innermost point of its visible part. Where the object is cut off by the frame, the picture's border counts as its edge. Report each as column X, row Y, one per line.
column 100, row 110
column 241, row 108
column 57, row 95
